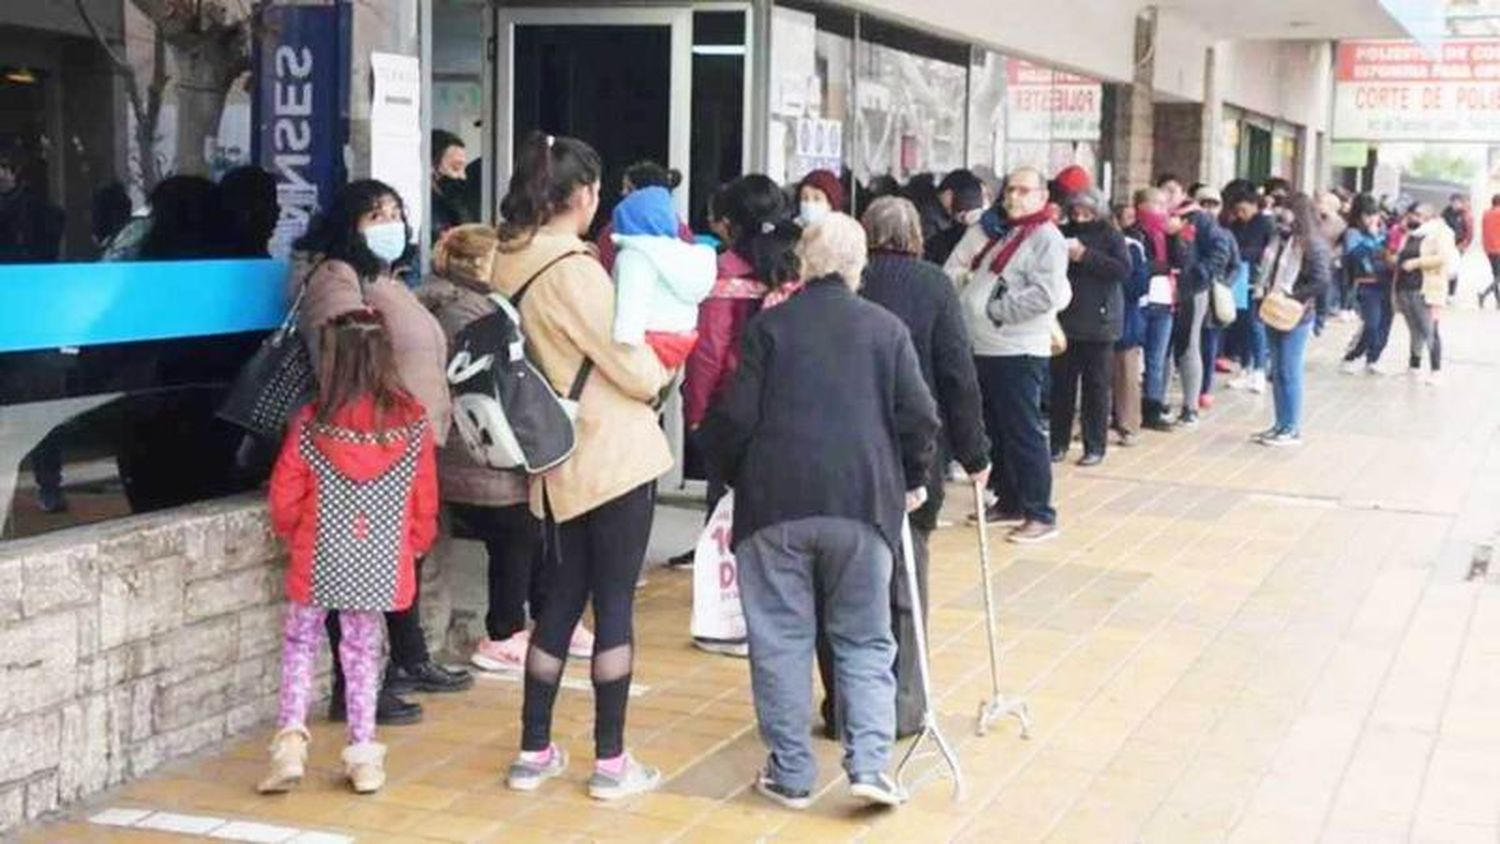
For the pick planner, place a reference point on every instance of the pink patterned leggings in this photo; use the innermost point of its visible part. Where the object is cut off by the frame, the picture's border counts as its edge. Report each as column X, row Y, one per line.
column 359, row 653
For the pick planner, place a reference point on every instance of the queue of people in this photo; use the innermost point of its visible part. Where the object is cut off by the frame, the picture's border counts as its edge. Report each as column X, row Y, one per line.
column 835, row 373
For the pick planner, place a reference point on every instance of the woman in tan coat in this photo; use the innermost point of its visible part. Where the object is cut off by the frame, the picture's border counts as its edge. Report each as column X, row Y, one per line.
column 346, row 262
column 599, row 504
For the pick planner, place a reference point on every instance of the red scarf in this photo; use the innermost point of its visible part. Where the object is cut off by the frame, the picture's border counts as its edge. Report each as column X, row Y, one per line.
column 1155, row 227
column 1015, row 234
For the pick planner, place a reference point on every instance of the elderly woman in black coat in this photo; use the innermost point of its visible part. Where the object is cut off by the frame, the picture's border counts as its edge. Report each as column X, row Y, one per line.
column 827, row 436
column 1098, row 267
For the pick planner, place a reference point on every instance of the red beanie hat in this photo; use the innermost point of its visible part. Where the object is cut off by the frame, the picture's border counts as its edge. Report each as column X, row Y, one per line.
column 829, row 184
column 1074, row 178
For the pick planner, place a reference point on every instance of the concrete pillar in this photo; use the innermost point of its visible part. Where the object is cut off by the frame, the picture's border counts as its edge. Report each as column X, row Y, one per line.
column 1212, row 134
column 1130, row 139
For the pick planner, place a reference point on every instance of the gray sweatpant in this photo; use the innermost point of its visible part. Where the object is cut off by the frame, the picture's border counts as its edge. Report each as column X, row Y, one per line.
column 1187, row 347
column 783, row 570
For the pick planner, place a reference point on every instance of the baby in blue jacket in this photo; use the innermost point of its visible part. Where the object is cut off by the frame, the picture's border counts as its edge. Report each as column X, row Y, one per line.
column 659, row 279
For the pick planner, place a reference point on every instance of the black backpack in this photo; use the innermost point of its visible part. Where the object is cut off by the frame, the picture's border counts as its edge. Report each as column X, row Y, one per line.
column 506, row 412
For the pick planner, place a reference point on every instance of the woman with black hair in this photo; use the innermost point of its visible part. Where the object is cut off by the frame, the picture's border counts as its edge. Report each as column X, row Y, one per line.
column 1298, row 265
column 187, row 221
column 761, row 260
column 642, row 174
column 599, row 505
column 450, row 190
column 347, row 261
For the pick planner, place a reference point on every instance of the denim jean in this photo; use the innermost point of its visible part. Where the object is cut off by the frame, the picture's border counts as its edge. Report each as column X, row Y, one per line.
column 1288, row 349
column 1252, row 338
column 1011, row 388
column 1158, row 342
column 1376, row 315
column 787, row 571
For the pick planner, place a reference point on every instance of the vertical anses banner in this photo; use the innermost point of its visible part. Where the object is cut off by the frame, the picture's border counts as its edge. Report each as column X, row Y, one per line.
column 301, row 110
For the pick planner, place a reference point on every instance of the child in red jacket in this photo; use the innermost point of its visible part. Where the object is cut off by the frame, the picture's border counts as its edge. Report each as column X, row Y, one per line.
column 355, row 497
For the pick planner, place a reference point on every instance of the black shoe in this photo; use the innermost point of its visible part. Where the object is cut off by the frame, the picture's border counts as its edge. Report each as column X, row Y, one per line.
column 1090, row 460
column 426, row 677
column 1187, row 420
column 996, row 515
column 1158, row 424
column 390, row 710
column 1059, row 456
column 681, row 561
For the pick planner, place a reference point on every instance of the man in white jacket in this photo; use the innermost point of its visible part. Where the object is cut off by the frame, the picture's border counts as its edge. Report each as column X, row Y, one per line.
column 1012, row 276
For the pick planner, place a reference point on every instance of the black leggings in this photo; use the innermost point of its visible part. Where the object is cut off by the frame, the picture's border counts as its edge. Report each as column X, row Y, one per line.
column 599, row 557
column 512, row 540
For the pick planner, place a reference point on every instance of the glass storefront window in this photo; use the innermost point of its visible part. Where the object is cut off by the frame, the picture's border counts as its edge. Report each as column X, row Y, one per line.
column 911, row 116
column 135, row 247
column 812, row 74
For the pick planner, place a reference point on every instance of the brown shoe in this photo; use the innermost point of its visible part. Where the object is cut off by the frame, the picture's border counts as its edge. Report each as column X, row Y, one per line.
column 288, row 761
column 1033, row 533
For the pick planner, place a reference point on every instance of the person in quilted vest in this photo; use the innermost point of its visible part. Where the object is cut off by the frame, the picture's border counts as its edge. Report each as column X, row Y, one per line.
column 354, row 495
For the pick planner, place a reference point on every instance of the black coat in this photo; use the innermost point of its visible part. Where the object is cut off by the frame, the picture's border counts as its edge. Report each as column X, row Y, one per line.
column 1097, row 312
column 827, row 415
column 923, row 297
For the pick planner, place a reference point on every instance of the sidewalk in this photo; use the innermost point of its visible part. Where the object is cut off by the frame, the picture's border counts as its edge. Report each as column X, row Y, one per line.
column 1229, row 642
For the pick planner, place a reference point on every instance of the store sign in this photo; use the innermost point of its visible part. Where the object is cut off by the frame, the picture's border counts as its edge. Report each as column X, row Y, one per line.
column 1400, row 91
column 302, row 76
column 1043, row 104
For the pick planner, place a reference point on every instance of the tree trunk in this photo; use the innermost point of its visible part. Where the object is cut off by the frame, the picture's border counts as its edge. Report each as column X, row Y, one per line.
column 204, row 71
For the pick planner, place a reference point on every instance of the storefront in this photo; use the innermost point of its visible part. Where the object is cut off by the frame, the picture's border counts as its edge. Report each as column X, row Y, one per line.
column 1257, row 147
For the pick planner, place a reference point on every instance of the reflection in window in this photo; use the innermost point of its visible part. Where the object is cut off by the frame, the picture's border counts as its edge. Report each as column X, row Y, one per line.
column 812, row 64
column 911, row 114
column 1022, row 113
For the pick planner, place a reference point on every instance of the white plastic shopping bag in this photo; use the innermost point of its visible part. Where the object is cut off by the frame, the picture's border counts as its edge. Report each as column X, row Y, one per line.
column 718, row 619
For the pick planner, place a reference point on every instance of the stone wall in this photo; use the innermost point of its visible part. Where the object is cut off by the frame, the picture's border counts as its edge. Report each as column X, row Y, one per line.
column 126, row 644
column 1179, row 140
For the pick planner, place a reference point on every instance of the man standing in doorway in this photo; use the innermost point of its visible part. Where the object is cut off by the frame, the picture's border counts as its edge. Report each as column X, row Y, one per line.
column 1491, row 235
column 1013, row 279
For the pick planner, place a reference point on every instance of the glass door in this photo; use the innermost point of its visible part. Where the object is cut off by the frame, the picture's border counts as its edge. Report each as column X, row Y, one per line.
column 618, row 78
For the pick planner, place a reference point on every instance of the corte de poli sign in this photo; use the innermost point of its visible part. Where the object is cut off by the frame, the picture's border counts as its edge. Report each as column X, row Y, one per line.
column 1400, row 91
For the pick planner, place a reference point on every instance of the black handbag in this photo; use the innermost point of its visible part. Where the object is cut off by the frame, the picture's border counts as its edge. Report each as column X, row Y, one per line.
column 275, row 383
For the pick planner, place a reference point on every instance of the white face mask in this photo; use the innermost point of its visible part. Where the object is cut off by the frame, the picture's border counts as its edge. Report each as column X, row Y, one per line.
column 387, row 241
column 812, row 212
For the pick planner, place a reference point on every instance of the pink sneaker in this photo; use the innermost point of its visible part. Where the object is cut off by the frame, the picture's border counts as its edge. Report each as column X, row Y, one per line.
column 582, row 644
column 509, row 655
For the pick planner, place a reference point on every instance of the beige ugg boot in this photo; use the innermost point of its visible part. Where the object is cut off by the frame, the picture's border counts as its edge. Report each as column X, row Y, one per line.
column 288, row 761
column 364, row 765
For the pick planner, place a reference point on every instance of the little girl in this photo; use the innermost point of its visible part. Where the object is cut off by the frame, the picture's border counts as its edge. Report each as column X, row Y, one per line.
column 354, row 495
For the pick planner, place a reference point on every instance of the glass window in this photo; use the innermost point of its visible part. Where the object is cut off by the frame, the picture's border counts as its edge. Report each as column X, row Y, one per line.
column 812, row 74
column 1022, row 113
column 718, row 154
column 135, row 242
column 458, row 50
column 911, row 91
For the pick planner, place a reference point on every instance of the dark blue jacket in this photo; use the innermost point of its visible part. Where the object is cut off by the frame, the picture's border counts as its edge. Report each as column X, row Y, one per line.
column 1133, row 327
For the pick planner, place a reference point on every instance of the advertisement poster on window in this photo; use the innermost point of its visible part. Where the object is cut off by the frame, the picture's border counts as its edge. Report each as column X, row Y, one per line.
column 300, row 111
column 1043, row 104
column 1398, row 91
column 396, row 131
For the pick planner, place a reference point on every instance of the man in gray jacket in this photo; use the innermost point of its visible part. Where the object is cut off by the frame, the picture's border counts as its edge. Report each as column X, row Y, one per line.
column 1012, row 276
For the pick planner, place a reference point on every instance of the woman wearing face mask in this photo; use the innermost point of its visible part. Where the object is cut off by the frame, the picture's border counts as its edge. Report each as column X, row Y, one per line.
column 1426, row 262
column 598, row 506
column 1297, row 264
column 819, row 193
column 347, row 260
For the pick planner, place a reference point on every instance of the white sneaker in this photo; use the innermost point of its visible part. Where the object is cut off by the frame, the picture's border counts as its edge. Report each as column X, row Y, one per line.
column 1240, row 382
column 635, row 779
column 1258, row 382
column 1433, row 379
column 1282, row 439
column 1372, row 369
column 740, row 649
column 1349, row 367
column 526, row 775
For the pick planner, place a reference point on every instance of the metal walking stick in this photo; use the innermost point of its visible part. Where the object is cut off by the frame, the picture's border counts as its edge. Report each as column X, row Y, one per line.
column 998, row 706
column 931, row 731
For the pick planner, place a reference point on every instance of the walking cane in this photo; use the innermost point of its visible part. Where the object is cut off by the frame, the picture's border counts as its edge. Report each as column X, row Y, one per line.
column 931, row 731
column 998, row 706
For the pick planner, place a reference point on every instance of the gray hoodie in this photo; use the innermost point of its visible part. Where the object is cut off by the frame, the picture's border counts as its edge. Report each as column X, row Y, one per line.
column 1019, row 322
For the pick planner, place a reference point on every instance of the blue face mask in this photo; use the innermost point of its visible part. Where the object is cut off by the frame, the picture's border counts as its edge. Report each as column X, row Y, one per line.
column 387, row 241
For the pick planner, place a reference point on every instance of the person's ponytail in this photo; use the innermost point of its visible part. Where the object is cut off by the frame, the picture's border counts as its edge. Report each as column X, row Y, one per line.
column 548, row 170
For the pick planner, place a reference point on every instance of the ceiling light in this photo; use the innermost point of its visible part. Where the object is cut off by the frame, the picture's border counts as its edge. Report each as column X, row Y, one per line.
column 20, row 76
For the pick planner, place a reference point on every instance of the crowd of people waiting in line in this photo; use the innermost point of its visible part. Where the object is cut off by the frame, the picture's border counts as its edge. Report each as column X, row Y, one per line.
column 835, row 373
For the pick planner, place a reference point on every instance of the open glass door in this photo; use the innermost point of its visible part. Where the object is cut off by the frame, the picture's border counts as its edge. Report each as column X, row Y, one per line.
column 618, row 78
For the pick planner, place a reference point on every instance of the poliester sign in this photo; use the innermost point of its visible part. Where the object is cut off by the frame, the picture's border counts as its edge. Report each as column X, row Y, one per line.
column 1042, row 104
column 1398, row 91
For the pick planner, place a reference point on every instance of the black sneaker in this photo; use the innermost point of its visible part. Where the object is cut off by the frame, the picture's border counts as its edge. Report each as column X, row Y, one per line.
column 390, row 710
column 875, row 789
column 681, row 561
column 1059, row 456
column 1187, row 420
column 1090, row 460
column 787, row 798
column 426, row 677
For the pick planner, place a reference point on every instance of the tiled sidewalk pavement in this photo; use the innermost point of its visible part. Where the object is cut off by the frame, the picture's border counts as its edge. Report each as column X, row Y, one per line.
column 1228, row 643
